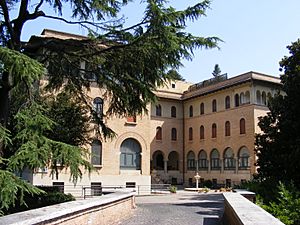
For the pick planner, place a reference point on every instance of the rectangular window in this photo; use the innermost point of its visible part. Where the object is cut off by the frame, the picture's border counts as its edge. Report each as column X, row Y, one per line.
column 96, row 188
column 96, row 151
column 130, row 184
column 228, row 182
column 59, row 185
column 214, row 183
column 131, row 119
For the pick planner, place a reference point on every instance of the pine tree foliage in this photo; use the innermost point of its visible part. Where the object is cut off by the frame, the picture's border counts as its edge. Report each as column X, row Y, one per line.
column 127, row 62
column 36, row 150
column 4, row 136
column 12, row 189
column 173, row 74
column 24, row 69
column 71, row 118
column 278, row 146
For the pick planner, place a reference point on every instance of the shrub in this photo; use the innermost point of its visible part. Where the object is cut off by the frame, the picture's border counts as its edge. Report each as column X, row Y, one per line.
column 287, row 206
column 208, row 183
column 173, row 189
column 50, row 197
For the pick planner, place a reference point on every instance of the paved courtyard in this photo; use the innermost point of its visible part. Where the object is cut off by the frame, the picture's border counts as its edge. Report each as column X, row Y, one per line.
column 183, row 208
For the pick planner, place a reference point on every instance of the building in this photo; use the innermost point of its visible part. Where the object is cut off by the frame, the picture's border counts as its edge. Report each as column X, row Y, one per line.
column 207, row 127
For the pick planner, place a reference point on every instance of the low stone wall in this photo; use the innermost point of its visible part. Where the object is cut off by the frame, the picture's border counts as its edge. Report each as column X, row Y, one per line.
column 107, row 209
column 240, row 211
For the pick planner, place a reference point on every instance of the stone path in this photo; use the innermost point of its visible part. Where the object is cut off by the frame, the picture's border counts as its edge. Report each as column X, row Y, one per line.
column 183, row 208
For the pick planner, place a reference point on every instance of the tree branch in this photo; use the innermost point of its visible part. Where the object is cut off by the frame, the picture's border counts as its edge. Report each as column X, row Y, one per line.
column 38, row 6
column 7, row 20
column 23, row 9
column 82, row 23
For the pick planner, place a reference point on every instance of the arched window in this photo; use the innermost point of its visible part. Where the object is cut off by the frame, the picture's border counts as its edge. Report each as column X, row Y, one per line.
column 242, row 98
column 242, row 126
column 227, row 102
column 98, row 107
column 173, row 134
column 190, row 133
column 236, row 100
column 130, row 157
column 202, row 160
column 191, row 161
column 258, row 97
column 214, row 130
column 264, row 98
column 247, row 97
column 173, row 111
column 173, row 161
column 191, row 111
column 214, row 105
column 158, row 160
column 158, row 133
column 215, row 159
column 227, row 128
column 202, row 132
column 244, row 158
column 202, row 108
column 229, row 162
column 158, row 110
column 96, row 151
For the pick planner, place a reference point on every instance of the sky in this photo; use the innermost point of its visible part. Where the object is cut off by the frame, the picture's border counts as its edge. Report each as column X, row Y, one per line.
column 255, row 34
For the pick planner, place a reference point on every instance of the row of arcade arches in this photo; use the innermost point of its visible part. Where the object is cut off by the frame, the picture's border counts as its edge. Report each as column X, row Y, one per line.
column 158, row 160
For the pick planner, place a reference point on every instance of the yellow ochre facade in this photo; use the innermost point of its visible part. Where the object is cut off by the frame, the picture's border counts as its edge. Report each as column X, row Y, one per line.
column 207, row 128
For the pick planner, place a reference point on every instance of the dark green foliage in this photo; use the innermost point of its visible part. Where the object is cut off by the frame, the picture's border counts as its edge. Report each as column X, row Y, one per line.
column 71, row 119
column 173, row 74
column 208, row 184
column 265, row 190
column 278, row 147
column 128, row 63
column 50, row 196
column 286, row 206
column 13, row 189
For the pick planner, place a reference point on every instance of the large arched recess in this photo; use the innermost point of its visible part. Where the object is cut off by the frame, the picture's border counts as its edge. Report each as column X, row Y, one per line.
column 145, row 153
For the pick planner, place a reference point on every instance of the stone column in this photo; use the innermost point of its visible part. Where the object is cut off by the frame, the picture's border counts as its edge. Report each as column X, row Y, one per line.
column 236, row 164
column 166, row 166
column 222, row 165
column 208, row 165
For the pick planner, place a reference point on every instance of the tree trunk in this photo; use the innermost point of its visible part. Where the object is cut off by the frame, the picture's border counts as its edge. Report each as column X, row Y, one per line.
column 4, row 104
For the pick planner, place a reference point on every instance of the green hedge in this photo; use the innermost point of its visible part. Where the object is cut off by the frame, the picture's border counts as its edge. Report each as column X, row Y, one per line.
column 51, row 196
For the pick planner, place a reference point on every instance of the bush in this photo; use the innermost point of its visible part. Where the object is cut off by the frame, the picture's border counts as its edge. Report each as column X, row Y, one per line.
column 51, row 196
column 208, row 183
column 287, row 205
column 267, row 190
column 173, row 189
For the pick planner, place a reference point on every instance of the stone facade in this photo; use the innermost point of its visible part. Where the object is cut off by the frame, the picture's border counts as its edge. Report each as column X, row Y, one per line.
column 168, row 145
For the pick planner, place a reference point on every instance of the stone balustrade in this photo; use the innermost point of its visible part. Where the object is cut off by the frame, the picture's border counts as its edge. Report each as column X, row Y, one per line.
column 238, row 210
column 106, row 209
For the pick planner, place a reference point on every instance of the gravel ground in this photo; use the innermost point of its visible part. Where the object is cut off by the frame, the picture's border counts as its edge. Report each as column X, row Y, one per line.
column 183, row 208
